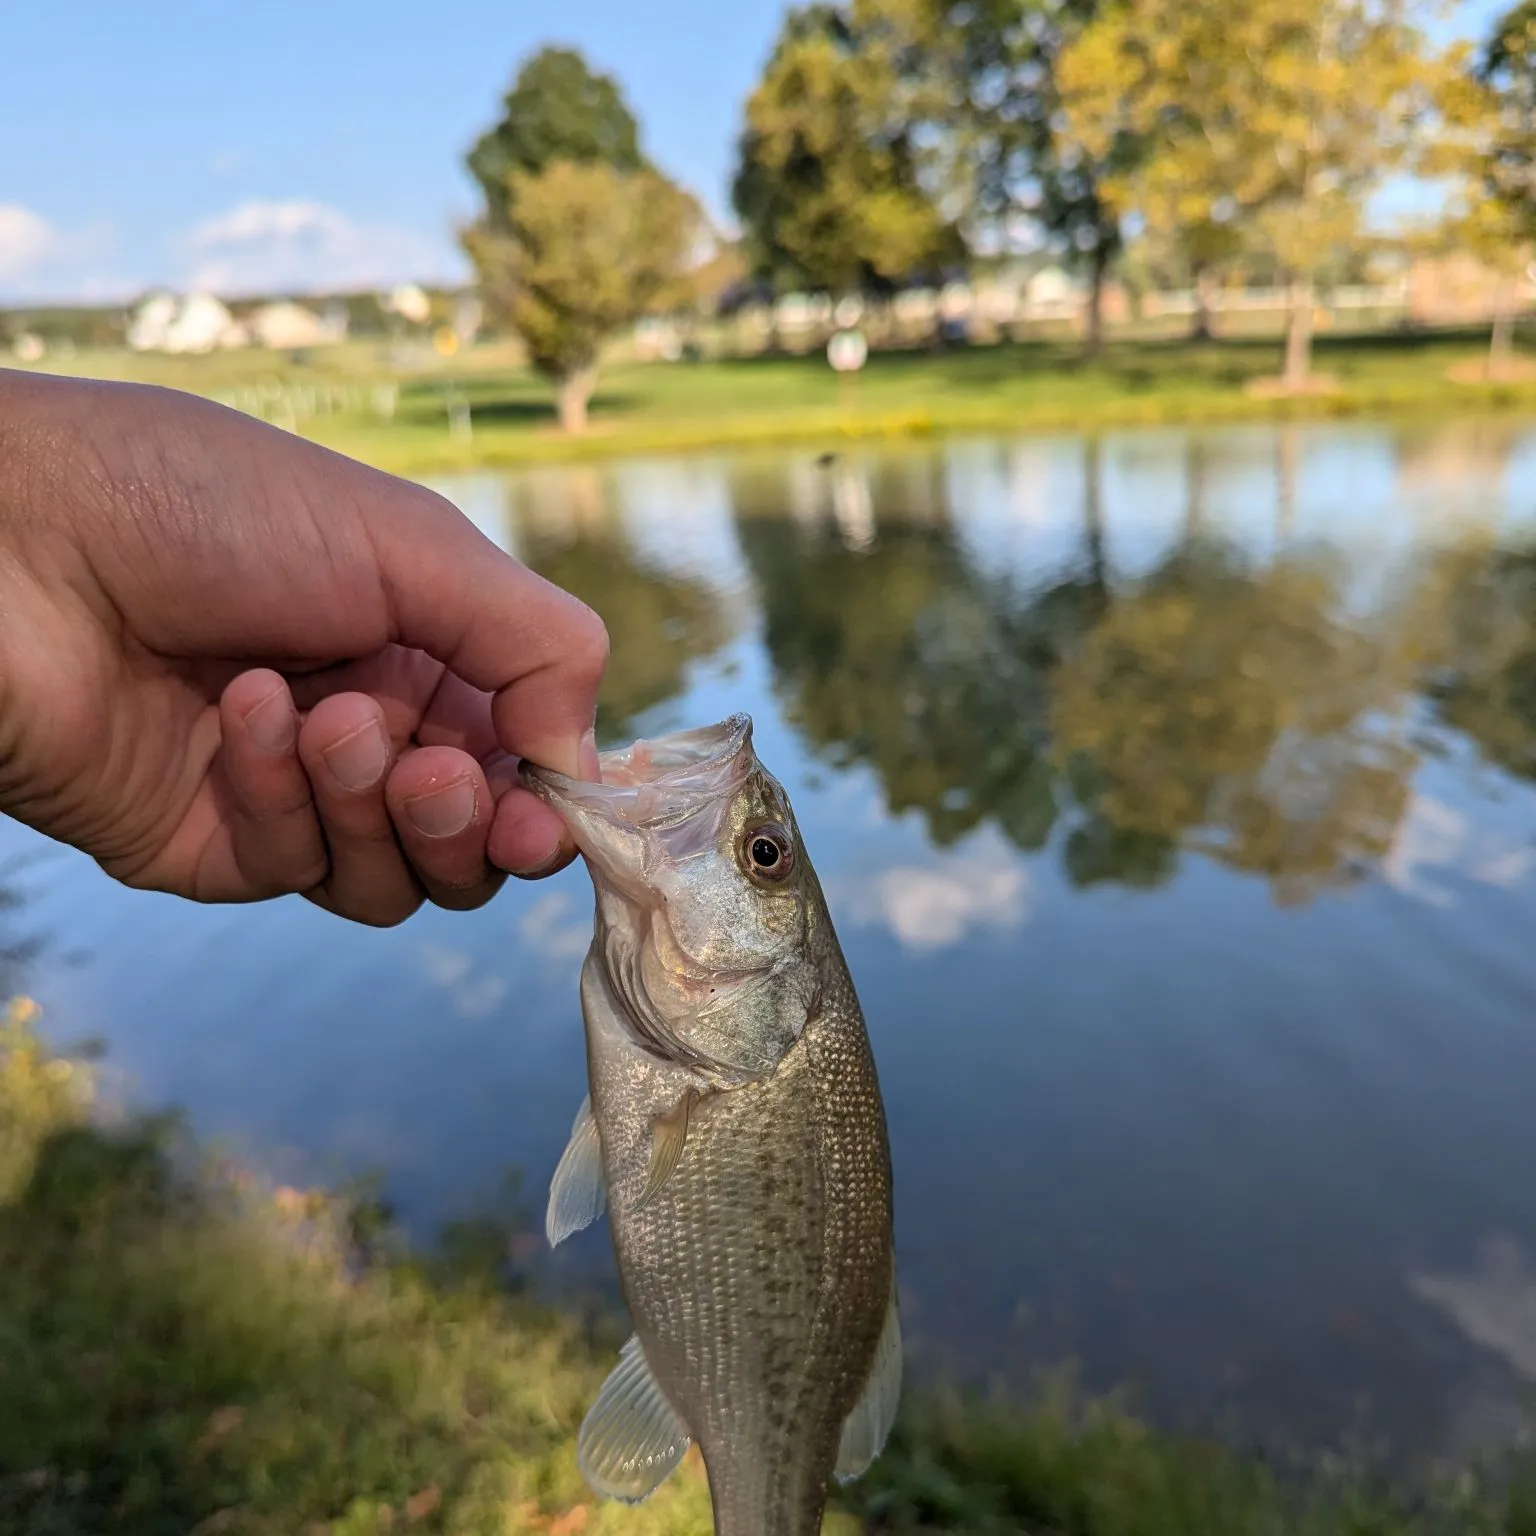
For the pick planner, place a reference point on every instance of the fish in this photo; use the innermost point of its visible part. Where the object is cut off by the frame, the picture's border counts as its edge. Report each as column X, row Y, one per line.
column 734, row 1132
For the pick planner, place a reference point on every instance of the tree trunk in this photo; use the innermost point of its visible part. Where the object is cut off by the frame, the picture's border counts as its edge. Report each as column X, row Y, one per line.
column 1196, row 476
column 1501, row 340
column 1298, row 334
column 1204, row 327
column 1287, row 464
column 572, row 392
column 1093, row 336
column 1093, row 512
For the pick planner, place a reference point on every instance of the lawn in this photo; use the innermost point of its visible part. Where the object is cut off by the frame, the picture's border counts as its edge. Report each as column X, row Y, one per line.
column 186, row 1350
column 659, row 407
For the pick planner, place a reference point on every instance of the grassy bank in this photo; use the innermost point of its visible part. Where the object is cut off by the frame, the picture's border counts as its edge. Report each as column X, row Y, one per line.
column 648, row 408
column 184, row 1351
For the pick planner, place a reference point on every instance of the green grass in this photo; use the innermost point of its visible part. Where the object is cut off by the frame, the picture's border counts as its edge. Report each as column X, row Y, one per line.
column 643, row 408
column 183, row 1350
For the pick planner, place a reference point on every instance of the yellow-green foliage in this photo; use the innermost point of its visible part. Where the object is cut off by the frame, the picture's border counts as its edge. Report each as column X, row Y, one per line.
column 39, row 1093
column 182, row 1356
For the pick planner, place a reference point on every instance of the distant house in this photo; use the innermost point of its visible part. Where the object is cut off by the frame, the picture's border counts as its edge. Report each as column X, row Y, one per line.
column 410, row 302
column 284, row 326
column 1459, row 289
column 1051, row 288
column 151, row 320
column 198, row 323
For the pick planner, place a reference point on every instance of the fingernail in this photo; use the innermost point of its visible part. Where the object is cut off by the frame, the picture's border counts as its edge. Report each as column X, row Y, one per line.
column 271, row 723
column 358, row 761
column 586, row 757
column 444, row 811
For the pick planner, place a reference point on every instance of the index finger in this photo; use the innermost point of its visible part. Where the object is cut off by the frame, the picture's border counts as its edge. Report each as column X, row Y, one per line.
column 539, row 651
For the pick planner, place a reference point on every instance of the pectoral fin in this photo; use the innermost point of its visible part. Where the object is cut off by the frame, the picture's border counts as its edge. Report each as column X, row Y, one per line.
column 576, row 1193
column 669, row 1134
column 866, row 1428
column 630, row 1441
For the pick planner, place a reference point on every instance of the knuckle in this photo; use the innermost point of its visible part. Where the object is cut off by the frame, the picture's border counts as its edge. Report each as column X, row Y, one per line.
column 301, row 877
column 391, row 916
column 285, row 801
column 587, row 649
column 374, row 910
column 275, row 868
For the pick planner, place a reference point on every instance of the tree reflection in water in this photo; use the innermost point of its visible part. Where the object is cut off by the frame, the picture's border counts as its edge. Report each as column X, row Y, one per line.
column 1485, row 682
column 1218, row 704
column 17, row 949
column 661, row 621
column 1232, row 710
column 899, row 654
column 1247, row 708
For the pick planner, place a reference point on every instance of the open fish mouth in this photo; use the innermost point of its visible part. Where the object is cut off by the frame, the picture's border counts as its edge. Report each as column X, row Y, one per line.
column 656, row 782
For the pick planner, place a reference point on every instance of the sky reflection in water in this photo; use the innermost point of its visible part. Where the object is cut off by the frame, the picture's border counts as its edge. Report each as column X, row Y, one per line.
column 1174, row 798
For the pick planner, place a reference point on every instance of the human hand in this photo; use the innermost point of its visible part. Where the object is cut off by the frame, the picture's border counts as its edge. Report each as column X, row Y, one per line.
column 234, row 665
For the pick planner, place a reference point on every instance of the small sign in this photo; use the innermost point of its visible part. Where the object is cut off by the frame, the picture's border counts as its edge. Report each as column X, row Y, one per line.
column 847, row 351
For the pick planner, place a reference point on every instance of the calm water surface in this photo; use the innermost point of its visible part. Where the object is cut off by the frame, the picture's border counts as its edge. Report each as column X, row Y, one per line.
column 1174, row 795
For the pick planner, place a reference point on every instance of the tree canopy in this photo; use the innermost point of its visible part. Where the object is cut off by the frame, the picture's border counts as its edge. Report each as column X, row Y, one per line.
column 831, row 187
column 1508, row 72
column 1279, row 117
column 587, row 249
column 1028, row 164
column 556, row 109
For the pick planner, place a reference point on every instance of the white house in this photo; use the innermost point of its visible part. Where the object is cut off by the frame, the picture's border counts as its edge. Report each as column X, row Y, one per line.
column 152, row 319
column 199, row 323
column 410, row 302
column 284, row 326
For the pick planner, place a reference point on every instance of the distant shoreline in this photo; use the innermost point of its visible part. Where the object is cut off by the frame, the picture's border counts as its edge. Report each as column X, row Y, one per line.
column 482, row 412
column 900, row 426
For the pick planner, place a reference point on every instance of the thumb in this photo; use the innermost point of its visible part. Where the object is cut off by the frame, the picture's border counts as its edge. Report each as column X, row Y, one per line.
column 539, row 651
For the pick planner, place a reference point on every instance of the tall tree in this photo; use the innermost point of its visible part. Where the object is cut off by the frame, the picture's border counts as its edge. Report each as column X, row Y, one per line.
column 1501, row 206
column 586, row 250
column 580, row 236
column 830, row 186
column 1509, row 67
column 556, row 109
column 1029, row 160
column 1279, row 117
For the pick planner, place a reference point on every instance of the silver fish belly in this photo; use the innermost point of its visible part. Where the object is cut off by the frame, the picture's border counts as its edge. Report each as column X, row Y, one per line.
column 748, row 1191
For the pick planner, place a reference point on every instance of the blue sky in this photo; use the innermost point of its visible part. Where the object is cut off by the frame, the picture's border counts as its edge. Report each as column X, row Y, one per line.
column 308, row 145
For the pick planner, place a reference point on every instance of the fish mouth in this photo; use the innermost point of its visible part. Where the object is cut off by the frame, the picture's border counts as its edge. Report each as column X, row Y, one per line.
column 655, row 782
column 659, row 804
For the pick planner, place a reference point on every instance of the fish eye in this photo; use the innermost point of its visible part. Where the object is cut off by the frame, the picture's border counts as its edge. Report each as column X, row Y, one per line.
column 767, row 852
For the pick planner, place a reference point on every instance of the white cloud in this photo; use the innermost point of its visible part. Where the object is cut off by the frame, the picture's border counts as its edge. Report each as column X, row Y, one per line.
column 26, row 238
column 1494, row 1305
column 473, row 994
column 41, row 262
column 555, row 928
column 931, row 906
column 306, row 247
column 1435, row 838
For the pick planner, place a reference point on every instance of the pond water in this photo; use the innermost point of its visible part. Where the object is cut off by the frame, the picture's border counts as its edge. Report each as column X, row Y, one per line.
column 1175, row 796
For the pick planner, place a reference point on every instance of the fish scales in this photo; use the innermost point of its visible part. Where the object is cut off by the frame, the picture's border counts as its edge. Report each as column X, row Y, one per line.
column 758, row 1279
column 734, row 1131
